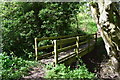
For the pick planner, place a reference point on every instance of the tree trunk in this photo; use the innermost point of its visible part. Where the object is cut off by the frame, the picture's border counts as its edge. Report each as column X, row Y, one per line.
column 106, row 15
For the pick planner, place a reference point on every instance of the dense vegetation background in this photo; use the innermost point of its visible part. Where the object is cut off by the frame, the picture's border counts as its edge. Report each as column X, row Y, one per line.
column 22, row 22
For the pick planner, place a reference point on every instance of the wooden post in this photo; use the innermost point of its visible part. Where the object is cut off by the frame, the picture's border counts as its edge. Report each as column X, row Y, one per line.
column 77, row 44
column 36, row 54
column 60, row 45
column 55, row 52
column 96, row 39
column 88, row 43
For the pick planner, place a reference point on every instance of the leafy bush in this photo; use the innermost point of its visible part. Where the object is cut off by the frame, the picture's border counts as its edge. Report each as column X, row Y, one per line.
column 22, row 22
column 13, row 67
column 61, row 71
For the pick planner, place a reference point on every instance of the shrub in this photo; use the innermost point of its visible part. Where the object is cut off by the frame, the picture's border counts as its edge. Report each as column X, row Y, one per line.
column 13, row 67
column 61, row 71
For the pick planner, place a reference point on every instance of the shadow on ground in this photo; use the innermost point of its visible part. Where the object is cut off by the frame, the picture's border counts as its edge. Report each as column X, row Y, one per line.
column 94, row 59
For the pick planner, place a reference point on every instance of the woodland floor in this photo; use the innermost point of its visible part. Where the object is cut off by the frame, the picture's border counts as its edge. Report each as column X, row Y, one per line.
column 97, row 62
column 38, row 72
column 94, row 62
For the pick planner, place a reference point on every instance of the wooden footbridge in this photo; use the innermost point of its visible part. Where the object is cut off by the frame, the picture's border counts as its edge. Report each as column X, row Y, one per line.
column 65, row 49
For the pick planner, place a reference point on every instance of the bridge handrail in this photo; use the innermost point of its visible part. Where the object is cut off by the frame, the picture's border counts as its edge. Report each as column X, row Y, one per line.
column 64, row 40
column 57, row 51
column 52, row 38
column 58, row 37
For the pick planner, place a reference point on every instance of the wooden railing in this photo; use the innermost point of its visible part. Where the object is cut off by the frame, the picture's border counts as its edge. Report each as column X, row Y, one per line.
column 75, row 40
column 37, row 48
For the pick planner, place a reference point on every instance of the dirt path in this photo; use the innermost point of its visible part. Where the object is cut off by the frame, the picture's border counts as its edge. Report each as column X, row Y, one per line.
column 38, row 73
column 95, row 61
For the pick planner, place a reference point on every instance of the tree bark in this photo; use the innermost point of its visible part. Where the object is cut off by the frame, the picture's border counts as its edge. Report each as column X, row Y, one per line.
column 107, row 18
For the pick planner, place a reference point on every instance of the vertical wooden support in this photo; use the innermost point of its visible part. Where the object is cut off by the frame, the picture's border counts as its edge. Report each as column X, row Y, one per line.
column 88, row 43
column 77, row 44
column 36, row 53
column 60, row 45
column 96, row 39
column 55, row 52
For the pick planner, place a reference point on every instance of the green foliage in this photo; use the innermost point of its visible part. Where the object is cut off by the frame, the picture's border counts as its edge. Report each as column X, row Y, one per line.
column 86, row 23
column 22, row 22
column 13, row 67
column 61, row 71
column 83, row 20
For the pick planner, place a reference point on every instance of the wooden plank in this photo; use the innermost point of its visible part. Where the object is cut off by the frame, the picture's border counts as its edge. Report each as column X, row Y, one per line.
column 81, row 43
column 52, row 38
column 55, row 52
column 66, row 57
column 85, row 50
column 36, row 53
column 71, row 46
column 93, row 34
column 44, row 56
column 83, row 37
column 77, row 44
column 59, row 37
column 44, row 47
column 65, row 41
column 66, row 48
column 48, row 38
column 61, row 45
column 95, row 38
column 92, row 39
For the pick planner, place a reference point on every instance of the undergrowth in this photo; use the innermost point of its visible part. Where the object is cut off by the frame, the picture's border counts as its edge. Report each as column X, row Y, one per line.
column 62, row 71
column 13, row 67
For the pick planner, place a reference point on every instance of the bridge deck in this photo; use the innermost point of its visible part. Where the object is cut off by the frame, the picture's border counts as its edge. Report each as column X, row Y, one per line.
column 61, row 55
